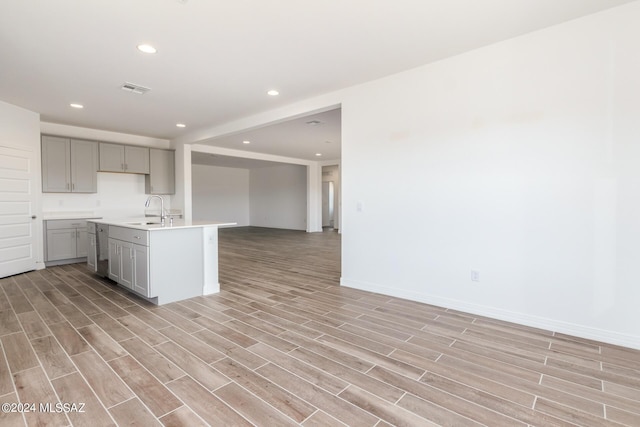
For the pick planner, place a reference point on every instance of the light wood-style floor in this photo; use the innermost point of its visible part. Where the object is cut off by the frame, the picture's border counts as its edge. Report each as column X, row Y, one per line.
column 284, row 344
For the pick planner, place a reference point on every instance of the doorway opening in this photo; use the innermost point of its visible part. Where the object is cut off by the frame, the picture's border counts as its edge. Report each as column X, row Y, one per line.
column 331, row 197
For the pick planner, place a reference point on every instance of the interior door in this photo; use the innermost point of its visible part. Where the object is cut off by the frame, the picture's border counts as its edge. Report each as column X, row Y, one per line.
column 17, row 201
column 327, row 204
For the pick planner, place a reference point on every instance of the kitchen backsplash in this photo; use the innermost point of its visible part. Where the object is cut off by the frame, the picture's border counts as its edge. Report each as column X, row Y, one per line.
column 119, row 195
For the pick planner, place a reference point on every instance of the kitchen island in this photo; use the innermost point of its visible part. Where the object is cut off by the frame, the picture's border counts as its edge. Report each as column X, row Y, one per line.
column 160, row 262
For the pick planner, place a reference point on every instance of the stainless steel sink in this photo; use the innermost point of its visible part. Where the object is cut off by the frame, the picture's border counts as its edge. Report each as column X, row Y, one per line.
column 144, row 223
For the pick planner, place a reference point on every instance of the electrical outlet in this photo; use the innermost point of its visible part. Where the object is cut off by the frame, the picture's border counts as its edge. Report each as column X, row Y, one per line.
column 475, row 276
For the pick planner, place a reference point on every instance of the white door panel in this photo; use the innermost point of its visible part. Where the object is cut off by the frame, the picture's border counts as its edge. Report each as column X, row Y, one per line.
column 17, row 199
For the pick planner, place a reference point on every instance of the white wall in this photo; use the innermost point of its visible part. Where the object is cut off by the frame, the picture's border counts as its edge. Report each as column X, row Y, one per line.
column 20, row 128
column 278, row 197
column 220, row 194
column 182, row 198
column 101, row 135
column 520, row 160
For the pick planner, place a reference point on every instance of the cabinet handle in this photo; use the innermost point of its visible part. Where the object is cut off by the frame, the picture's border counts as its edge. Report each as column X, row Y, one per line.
column 67, row 185
column 73, row 186
column 126, row 166
column 136, row 237
column 122, row 166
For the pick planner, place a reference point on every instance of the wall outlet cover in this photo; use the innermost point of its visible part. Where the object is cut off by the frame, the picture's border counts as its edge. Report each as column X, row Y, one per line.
column 475, row 275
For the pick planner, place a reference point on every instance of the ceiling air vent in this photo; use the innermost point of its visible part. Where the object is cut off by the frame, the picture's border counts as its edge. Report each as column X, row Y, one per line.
column 130, row 87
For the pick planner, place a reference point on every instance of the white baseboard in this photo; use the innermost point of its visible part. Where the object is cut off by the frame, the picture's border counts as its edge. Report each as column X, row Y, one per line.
column 611, row 337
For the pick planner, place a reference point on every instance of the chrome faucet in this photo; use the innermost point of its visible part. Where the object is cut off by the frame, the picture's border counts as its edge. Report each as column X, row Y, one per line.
column 162, row 212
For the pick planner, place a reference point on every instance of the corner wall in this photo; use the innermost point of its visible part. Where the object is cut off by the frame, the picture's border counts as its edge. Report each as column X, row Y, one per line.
column 519, row 160
column 278, row 197
column 220, row 194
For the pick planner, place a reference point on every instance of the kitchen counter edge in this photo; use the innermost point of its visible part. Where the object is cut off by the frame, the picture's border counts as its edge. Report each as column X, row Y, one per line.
column 177, row 224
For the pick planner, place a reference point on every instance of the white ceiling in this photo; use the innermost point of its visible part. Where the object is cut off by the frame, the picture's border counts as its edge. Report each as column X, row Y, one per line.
column 216, row 59
column 300, row 138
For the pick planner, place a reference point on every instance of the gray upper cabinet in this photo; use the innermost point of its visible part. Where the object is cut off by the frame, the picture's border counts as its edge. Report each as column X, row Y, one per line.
column 111, row 157
column 69, row 165
column 162, row 177
column 84, row 165
column 136, row 159
column 123, row 158
column 56, row 165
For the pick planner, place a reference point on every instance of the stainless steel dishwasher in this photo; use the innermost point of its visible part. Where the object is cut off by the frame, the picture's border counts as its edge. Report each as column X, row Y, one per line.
column 102, row 250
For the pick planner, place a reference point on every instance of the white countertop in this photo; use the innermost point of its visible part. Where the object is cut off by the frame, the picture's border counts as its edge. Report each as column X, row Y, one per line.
column 153, row 224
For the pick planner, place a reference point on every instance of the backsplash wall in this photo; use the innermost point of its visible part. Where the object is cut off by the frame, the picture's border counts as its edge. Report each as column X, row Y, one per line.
column 120, row 195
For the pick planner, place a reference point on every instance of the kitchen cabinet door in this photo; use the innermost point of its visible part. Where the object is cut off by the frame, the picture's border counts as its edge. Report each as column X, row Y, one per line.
column 111, row 157
column 162, row 177
column 123, row 158
column 66, row 240
column 92, row 253
column 126, row 264
column 141, row 269
column 82, row 242
column 84, row 166
column 69, row 165
column 61, row 244
column 114, row 260
column 56, row 168
column 136, row 159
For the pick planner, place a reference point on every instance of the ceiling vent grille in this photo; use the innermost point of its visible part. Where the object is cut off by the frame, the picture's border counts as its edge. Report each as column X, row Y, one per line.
column 131, row 87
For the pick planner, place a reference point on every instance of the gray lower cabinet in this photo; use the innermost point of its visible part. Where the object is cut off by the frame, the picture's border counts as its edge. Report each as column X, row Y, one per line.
column 114, row 260
column 123, row 158
column 129, row 261
column 69, row 165
column 162, row 177
column 141, row 270
column 66, row 241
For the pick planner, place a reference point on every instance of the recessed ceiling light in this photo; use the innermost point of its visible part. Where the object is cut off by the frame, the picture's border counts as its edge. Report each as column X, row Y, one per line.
column 146, row 48
column 318, row 154
column 273, row 92
column 79, row 106
column 181, row 125
column 246, row 142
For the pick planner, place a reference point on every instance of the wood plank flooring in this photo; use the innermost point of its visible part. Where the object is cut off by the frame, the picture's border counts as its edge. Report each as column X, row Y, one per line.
column 284, row 344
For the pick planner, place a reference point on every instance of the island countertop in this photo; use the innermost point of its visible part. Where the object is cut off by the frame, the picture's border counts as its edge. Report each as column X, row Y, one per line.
column 161, row 263
column 153, row 224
